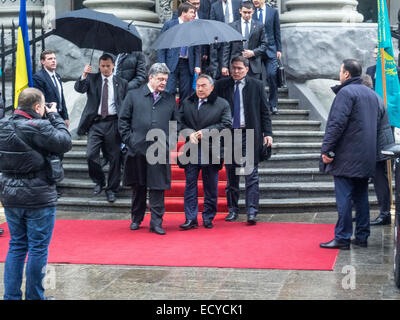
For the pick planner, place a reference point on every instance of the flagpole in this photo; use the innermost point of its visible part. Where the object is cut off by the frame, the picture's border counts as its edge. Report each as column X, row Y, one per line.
column 388, row 162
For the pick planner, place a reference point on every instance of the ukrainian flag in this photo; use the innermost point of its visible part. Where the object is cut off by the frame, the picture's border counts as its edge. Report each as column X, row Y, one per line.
column 23, row 70
column 387, row 83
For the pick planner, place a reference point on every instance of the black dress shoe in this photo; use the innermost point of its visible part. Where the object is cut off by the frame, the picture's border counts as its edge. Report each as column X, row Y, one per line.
column 97, row 189
column 134, row 225
column 208, row 224
column 251, row 220
column 360, row 243
column 335, row 244
column 381, row 220
column 274, row 110
column 157, row 230
column 110, row 196
column 189, row 224
column 232, row 216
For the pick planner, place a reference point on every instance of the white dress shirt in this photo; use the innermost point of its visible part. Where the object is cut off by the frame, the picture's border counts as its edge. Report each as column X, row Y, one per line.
column 229, row 4
column 51, row 74
column 263, row 12
column 242, row 83
column 244, row 26
column 112, row 110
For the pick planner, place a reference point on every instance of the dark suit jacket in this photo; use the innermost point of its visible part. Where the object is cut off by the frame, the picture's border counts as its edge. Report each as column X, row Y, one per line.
column 217, row 11
column 171, row 56
column 256, row 108
column 43, row 82
column 257, row 43
column 205, row 8
column 272, row 31
column 92, row 87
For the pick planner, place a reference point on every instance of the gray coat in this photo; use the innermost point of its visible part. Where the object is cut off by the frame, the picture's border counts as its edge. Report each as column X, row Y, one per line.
column 139, row 114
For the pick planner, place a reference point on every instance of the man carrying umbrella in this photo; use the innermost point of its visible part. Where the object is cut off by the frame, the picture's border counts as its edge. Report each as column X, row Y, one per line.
column 183, row 62
column 105, row 93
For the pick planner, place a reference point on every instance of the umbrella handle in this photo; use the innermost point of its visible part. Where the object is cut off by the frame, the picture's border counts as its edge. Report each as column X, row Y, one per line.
column 94, row 42
column 91, row 57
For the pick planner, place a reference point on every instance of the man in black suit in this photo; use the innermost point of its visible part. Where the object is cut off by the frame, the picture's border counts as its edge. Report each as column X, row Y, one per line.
column 182, row 62
column 255, row 46
column 201, row 112
column 270, row 18
column 49, row 82
column 249, row 107
column 223, row 11
column 105, row 93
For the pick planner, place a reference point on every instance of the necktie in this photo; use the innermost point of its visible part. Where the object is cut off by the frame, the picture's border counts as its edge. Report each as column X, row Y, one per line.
column 183, row 52
column 236, row 107
column 57, row 88
column 155, row 95
column 104, row 99
column 260, row 15
column 226, row 12
column 246, row 35
column 201, row 101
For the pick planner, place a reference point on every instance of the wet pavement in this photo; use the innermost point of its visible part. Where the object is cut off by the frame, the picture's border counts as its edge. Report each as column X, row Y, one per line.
column 360, row 273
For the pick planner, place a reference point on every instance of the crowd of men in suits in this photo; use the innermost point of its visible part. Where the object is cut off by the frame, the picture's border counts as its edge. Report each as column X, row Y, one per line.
column 122, row 107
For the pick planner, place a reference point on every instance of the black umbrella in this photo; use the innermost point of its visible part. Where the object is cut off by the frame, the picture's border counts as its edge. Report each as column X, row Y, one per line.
column 197, row 32
column 96, row 30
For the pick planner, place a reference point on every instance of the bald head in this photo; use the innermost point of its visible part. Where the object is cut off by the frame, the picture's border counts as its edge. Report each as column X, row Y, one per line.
column 29, row 98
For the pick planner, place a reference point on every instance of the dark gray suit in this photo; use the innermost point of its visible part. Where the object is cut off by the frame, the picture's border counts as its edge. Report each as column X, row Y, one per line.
column 256, row 42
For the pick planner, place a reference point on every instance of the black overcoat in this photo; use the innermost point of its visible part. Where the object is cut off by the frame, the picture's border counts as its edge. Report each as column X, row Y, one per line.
column 256, row 108
column 215, row 114
column 139, row 114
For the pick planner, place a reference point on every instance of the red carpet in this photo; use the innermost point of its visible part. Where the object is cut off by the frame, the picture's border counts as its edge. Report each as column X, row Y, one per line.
column 229, row 245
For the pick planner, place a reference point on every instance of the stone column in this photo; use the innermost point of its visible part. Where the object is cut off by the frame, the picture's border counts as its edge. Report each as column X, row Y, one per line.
column 321, row 11
column 318, row 34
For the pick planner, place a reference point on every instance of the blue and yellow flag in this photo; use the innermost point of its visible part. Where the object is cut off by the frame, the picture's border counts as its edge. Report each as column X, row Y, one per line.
column 23, row 70
column 387, row 84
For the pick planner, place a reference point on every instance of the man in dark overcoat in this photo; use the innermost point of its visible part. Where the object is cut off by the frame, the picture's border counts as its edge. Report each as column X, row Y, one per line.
column 250, row 113
column 202, row 112
column 349, row 153
column 105, row 93
column 145, row 110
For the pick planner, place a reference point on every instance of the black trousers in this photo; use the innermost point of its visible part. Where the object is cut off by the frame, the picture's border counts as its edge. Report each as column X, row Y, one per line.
column 103, row 135
column 156, row 202
column 382, row 188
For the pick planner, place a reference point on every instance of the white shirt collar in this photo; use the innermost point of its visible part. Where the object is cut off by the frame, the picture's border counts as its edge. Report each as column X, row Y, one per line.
column 51, row 73
column 109, row 78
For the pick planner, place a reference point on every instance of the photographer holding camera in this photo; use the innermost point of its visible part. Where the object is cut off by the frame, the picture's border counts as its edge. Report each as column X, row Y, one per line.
column 29, row 144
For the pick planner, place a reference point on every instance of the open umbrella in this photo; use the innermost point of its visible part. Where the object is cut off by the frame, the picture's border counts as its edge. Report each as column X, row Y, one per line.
column 197, row 32
column 96, row 30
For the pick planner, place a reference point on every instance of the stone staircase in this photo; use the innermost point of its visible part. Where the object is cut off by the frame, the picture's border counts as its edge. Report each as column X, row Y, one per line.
column 290, row 181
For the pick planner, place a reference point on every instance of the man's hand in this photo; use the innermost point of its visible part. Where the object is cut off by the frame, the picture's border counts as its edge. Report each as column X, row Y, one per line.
column 326, row 159
column 248, row 54
column 52, row 108
column 67, row 123
column 86, row 71
column 225, row 72
column 268, row 141
column 279, row 55
column 193, row 139
column 197, row 70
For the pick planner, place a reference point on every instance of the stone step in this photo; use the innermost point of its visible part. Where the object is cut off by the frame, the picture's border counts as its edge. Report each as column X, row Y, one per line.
column 294, row 125
column 289, row 114
column 282, row 92
column 296, row 148
column 266, row 174
column 297, row 136
column 306, row 160
column 285, row 103
column 99, row 208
